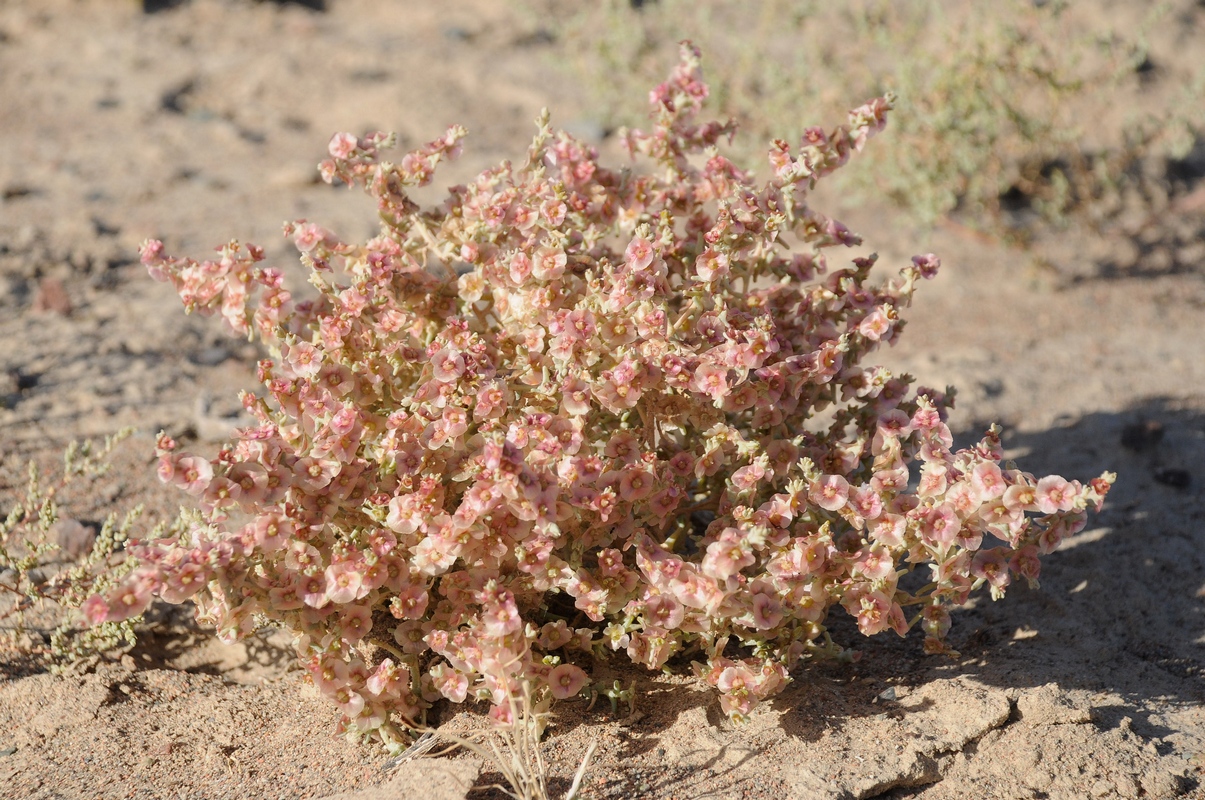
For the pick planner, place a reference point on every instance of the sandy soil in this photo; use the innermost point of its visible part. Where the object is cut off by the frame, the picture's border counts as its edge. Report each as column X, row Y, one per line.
column 203, row 122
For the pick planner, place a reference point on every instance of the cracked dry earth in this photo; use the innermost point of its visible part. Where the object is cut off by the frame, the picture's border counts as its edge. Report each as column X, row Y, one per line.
column 203, row 121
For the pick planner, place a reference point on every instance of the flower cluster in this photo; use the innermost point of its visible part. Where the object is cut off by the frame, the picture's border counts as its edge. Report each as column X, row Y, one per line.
column 575, row 410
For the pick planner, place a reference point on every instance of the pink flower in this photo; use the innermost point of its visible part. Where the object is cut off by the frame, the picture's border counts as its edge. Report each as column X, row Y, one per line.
column 830, row 492
column 933, row 481
column 940, row 524
column 301, row 557
column 964, row 498
column 285, row 598
column 95, row 610
column 575, row 397
column 272, row 531
column 639, row 254
column 182, row 583
column 128, row 600
column 663, row 611
column 342, row 145
column 1025, row 563
column 549, row 263
column 520, row 268
column 888, row 530
column 988, row 481
column 711, row 380
column 1021, row 497
column 865, row 502
column 502, row 617
column 252, row 480
column 876, row 563
column 386, row 679
column 410, row 603
column 356, row 622
column 875, row 325
column 307, row 236
column 992, row 566
column 344, row 581
column 448, row 365
column 872, row 610
column 566, row 680
column 1053, row 494
column 727, row 555
column 351, row 703
column 748, row 477
column 554, row 212
column 927, row 264
column 410, row 636
column 636, row 484
column 314, row 474
column 313, row 591
column 767, row 612
column 711, row 265
column 192, row 474
column 616, row 332
column 451, row 683
column 329, row 673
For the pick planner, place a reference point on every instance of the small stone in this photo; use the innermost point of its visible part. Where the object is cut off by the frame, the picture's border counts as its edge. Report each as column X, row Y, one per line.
column 16, row 190
column 456, row 33
column 211, row 356
column 74, row 538
column 887, row 694
column 1173, row 477
column 51, row 297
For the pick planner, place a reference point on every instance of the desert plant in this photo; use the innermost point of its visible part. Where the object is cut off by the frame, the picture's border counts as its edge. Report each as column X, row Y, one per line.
column 50, row 561
column 573, row 411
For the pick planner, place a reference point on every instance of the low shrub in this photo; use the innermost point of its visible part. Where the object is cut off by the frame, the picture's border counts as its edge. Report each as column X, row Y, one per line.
column 574, row 411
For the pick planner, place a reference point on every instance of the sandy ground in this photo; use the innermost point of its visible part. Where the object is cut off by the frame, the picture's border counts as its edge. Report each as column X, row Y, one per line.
column 203, row 122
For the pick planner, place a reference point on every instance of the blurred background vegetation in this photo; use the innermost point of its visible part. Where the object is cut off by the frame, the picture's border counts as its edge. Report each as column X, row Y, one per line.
column 1011, row 113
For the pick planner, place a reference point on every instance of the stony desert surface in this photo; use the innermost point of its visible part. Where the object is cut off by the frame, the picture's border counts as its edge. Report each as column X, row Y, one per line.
column 203, row 121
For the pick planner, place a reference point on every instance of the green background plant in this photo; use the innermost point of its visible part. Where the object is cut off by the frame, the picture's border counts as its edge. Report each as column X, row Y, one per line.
column 997, row 101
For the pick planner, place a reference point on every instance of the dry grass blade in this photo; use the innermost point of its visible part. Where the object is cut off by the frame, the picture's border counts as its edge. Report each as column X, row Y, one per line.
column 581, row 771
column 422, row 745
column 513, row 749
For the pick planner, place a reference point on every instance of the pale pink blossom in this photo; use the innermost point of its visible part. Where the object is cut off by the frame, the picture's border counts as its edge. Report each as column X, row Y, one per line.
column 342, row 145
column 1054, row 494
column 566, row 680
column 830, row 492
